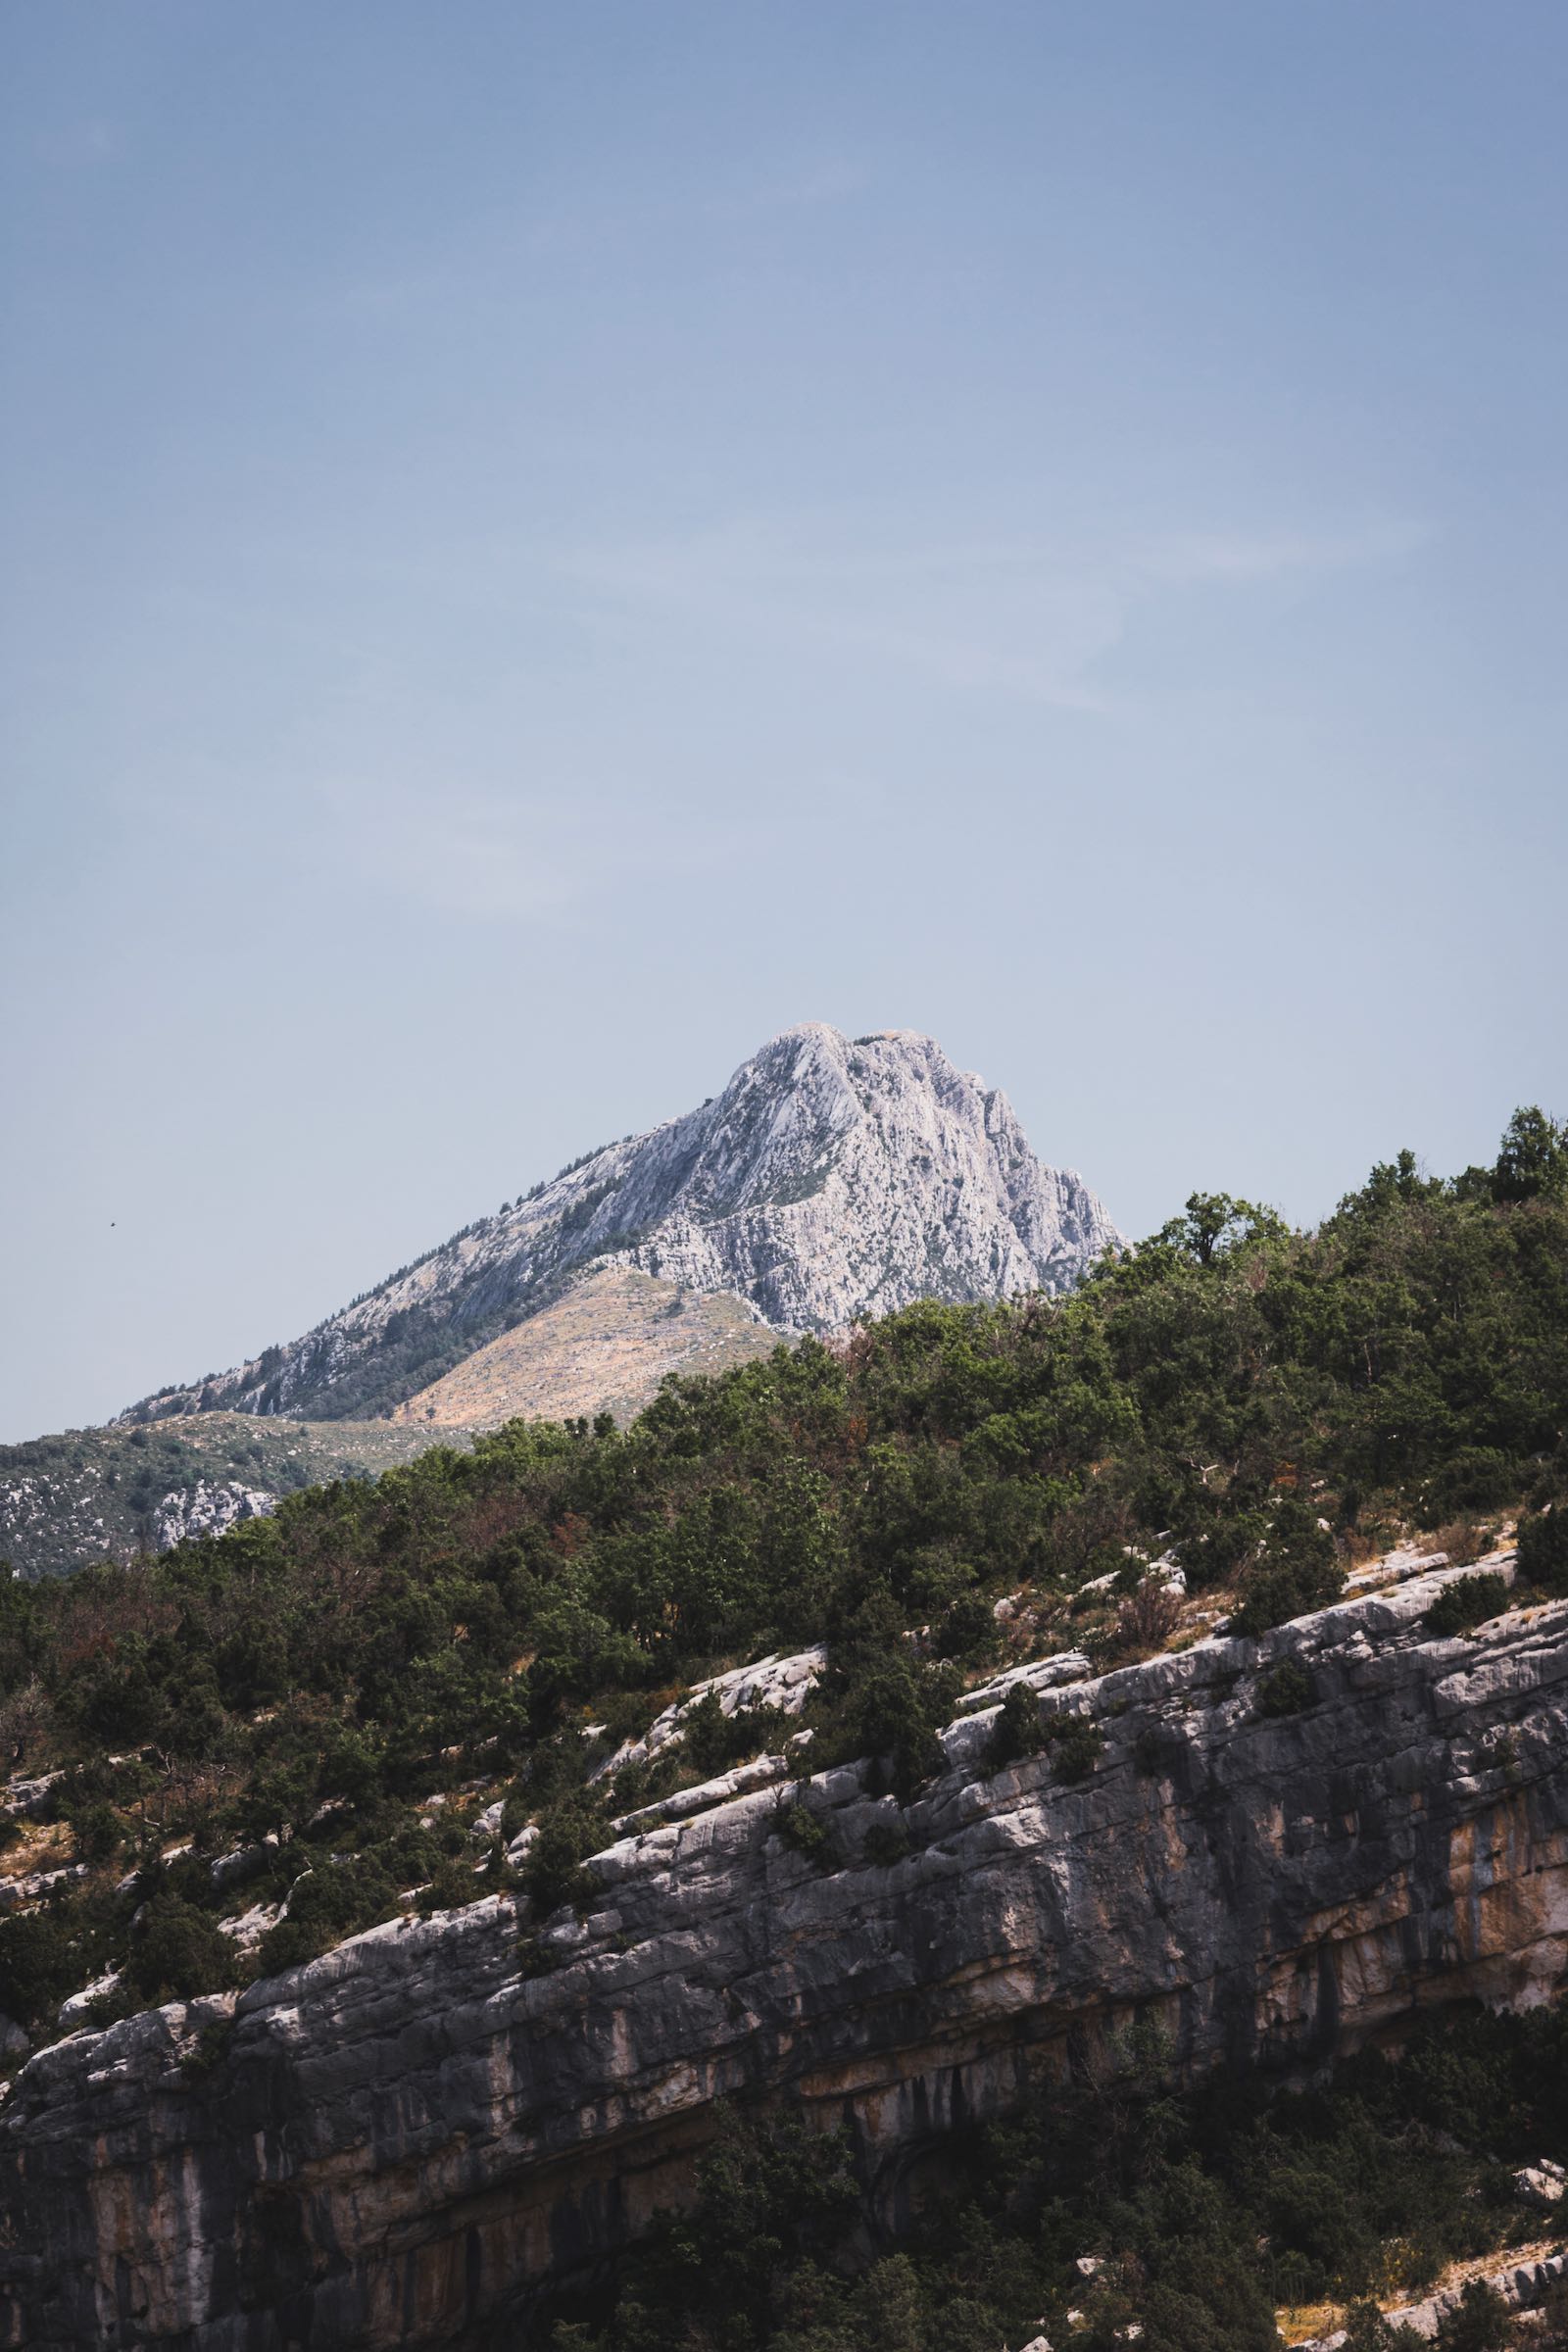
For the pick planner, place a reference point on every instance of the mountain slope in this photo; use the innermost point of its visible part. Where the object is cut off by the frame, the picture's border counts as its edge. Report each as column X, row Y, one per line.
column 831, row 1178
column 110, row 1494
column 601, row 1348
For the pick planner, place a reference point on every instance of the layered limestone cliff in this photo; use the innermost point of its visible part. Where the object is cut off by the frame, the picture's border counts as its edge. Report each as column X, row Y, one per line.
column 832, row 1177
column 401, row 2142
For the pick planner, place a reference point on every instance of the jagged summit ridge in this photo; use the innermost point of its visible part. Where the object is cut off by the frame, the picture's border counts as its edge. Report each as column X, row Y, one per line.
column 835, row 1177
column 831, row 1177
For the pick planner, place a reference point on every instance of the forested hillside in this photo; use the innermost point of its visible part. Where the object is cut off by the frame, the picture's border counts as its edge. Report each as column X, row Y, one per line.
column 317, row 1708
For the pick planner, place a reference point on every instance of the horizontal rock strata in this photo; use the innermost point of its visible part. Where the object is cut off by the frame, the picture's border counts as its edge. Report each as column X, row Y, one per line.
column 400, row 2142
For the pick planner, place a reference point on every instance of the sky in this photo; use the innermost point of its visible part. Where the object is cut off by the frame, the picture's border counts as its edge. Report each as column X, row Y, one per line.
column 545, row 544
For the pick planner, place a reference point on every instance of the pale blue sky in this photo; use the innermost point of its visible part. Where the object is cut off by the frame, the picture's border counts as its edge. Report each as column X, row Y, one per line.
column 544, row 544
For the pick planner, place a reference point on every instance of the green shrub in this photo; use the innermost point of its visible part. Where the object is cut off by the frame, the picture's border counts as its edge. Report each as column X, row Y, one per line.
column 967, row 1629
column 1482, row 2322
column 715, row 1741
column 287, row 1945
column 552, row 1871
column 1288, row 1691
column 890, row 1712
column 1156, row 1751
column 1544, row 1551
column 98, row 1832
column 454, row 1884
column 1474, row 1478
column 536, row 1958
column 36, row 1966
column 886, row 1844
column 1297, row 1572
column 326, row 1902
column 1018, row 1730
column 803, row 1833
column 177, row 1952
column 210, row 2046
column 1077, row 1748
column 1467, row 1604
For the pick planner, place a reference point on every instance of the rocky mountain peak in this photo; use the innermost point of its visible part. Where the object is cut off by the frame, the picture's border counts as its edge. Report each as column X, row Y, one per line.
column 831, row 1177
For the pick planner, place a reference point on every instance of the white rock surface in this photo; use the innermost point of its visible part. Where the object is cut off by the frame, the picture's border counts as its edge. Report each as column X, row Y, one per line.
column 1394, row 1567
column 73, row 2009
column 18, row 1893
column 1167, row 1568
column 246, row 1929
column 206, row 1510
column 771, row 1682
column 1042, row 1674
column 1519, row 2283
column 761, row 1772
column 30, row 1799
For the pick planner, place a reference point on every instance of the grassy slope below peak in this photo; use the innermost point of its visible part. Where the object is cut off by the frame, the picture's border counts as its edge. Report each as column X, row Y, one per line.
column 603, row 1348
column 93, row 1494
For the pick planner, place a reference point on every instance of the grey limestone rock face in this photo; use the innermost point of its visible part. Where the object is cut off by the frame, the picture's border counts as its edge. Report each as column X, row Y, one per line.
column 401, row 2143
column 832, row 1177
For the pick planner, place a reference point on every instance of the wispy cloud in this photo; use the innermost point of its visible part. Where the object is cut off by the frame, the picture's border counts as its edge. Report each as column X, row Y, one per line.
column 1027, row 618
column 829, row 182
column 1200, row 559
column 513, row 792
column 76, row 146
column 531, row 855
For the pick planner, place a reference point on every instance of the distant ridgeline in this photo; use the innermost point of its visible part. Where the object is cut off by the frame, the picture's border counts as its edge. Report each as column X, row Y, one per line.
column 97, row 1493
column 474, row 1674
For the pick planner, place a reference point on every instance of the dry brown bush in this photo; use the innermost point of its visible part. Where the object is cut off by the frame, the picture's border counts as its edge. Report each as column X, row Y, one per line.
column 1149, row 1617
column 1464, row 1539
column 26, row 1718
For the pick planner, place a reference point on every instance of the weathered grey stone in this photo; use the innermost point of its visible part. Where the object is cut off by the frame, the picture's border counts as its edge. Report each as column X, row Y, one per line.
column 403, row 2139
column 206, row 1510
column 784, row 1682
column 30, row 1799
column 758, row 1773
column 1519, row 2284
column 74, row 2007
column 1040, row 1674
column 18, row 1893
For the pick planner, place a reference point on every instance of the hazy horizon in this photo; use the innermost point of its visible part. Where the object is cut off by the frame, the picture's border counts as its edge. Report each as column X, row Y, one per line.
column 546, row 549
